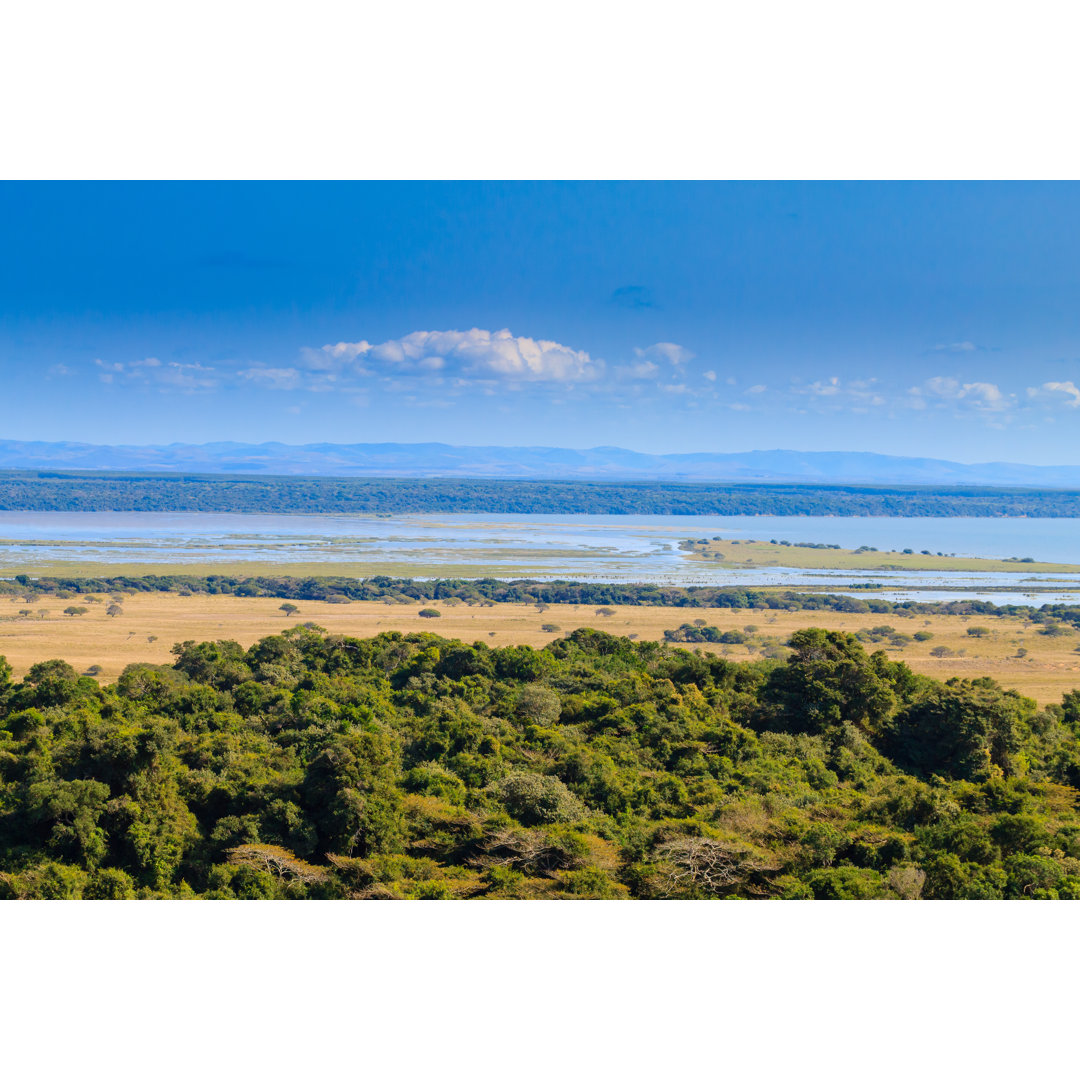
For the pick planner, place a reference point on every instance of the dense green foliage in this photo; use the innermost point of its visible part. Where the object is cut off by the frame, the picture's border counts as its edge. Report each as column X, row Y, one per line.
column 313, row 766
column 491, row 590
column 38, row 490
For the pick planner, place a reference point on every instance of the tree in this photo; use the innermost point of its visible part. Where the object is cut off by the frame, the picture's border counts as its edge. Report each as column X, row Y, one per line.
column 114, row 610
column 429, row 613
column 279, row 861
column 977, row 631
column 289, row 609
column 538, row 704
column 827, row 682
column 75, row 610
column 693, row 866
column 957, row 730
column 539, row 800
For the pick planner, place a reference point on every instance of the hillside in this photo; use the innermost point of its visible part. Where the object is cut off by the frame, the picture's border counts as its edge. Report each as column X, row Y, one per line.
column 528, row 462
column 410, row 766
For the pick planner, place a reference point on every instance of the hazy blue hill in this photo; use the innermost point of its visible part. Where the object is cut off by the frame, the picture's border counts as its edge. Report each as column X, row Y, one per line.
column 525, row 462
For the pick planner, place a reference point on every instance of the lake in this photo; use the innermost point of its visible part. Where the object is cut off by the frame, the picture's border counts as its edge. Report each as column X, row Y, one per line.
column 587, row 547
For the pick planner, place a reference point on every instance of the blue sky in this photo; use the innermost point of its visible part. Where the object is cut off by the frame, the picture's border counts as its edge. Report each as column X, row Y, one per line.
column 938, row 319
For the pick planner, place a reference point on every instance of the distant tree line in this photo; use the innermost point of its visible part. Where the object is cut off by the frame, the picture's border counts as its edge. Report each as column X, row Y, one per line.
column 493, row 591
column 73, row 491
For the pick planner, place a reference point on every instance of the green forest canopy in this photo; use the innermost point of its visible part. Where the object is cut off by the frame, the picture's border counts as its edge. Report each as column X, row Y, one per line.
column 318, row 766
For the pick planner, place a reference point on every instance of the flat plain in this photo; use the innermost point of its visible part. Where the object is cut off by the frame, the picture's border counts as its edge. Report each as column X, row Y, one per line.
column 1013, row 651
column 757, row 553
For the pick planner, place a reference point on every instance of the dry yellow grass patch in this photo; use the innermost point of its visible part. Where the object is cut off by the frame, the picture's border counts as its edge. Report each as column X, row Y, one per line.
column 756, row 553
column 1050, row 668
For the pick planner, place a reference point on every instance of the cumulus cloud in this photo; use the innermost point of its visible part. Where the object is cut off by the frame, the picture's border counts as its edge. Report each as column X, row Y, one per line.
column 464, row 354
column 330, row 357
column 980, row 394
column 1059, row 393
column 435, row 364
column 984, row 396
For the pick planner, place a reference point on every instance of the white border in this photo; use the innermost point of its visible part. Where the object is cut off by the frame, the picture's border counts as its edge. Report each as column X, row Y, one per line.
column 578, row 89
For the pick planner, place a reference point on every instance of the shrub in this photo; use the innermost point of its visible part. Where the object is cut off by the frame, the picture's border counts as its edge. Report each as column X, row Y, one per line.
column 539, row 800
column 110, row 884
column 845, row 883
column 432, row 890
column 592, row 884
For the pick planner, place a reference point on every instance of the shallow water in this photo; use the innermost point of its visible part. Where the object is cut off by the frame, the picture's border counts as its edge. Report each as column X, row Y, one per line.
column 592, row 547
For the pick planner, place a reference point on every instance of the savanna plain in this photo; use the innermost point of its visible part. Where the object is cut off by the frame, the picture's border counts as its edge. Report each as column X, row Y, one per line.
column 1014, row 650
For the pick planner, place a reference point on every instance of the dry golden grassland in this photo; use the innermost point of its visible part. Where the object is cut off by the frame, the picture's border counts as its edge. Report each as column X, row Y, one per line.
column 743, row 553
column 152, row 622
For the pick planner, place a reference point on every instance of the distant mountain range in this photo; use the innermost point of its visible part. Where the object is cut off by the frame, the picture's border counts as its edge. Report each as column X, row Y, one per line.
column 528, row 462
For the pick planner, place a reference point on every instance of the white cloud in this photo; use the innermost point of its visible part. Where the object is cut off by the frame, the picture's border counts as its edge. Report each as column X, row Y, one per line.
column 957, row 347
column 757, row 388
column 983, row 396
column 332, row 358
column 643, row 369
column 979, row 398
column 272, row 378
column 184, row 376
column 665, row 351
column 466, row 354
column 153, row 372
column 108, row 371
column 1061, row 393
column 833, row 393
column 823, row 388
